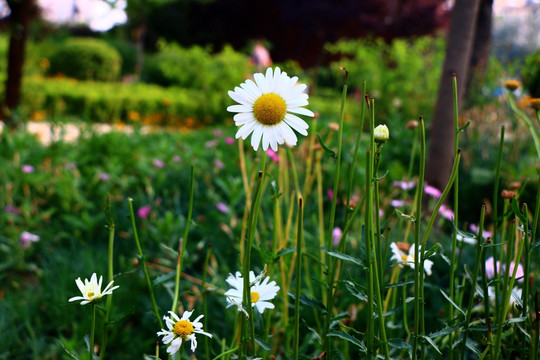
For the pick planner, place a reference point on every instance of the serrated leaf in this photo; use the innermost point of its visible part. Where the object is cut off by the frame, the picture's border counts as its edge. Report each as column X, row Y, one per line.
column 357, row 293
column 447, row 297
column 327, row 150
column 445, row 331
column 349, row 338
column 398, row 344
column 431, row 251
column 283, row 252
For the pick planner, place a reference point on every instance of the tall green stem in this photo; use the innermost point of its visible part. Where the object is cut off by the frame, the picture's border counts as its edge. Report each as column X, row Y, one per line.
column 496, row 209
column 92, row 332
column 299, row 235
column 204, row 299
column 110, row 275
column 183, row 242
column 143, row 263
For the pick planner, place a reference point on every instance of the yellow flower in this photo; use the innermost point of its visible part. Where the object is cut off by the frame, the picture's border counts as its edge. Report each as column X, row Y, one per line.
column 180, row 330
column 512, row 84
column 534, row 103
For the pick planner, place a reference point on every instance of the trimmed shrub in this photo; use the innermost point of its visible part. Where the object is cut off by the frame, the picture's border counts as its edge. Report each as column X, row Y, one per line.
column 86, row 59
column 531, row 74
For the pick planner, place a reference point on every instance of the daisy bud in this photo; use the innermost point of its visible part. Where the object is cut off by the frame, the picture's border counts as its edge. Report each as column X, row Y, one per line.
column 381, row 134
column 535, row 103
column 507, row 194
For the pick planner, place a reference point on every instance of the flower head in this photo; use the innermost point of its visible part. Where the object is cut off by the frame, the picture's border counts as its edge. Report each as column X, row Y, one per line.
column 27, row 239
column 512, row 84
column 535, row 103
column 266, row 109
column 27, row 169
column 144, row 211
column 91, row 289
column 399, row 253
column 261, row 291
column 180, row 330
column 381, row 134
column 336, row 236
column 158, row 163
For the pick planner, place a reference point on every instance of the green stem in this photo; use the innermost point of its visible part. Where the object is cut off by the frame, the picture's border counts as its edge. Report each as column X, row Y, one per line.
column 496, row 208
column 370, row 333
column 330, row 260
column 92, row 332
column 204, row 299
column 143, row 261
column 526, row 122
column 252, row 226
column 111, row 226
column 183, row 242
column 418, row 211
column 299, row 235
column 480, row 253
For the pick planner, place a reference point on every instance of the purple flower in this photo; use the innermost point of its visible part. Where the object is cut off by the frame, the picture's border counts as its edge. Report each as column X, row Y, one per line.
column 104, row 176
column 144, row 211
column 330, row 194
column 27, row 169
column 211, row 144
column 229, row 140
column 336, row 235
column 404, row 185
column 492, row 268
column 476, row 229
column 446, row 212
column 176, row 159
column 398, row 203
column 519, row 271
column 10, row 209
column 219, row 164
column 27, row 239
column 273, row 155
column 218, row 133
column 432, row 191
column 222, row 208
column 158, row 163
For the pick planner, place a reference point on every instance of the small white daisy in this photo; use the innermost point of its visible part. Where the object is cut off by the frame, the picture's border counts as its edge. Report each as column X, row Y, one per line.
column 399, row 253
column 91, row 289
column 180, row 330
column 266, row 109
column 261, row 291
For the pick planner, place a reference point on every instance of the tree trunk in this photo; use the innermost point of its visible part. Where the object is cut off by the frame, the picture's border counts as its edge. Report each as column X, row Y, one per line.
column 22, row 14
column 480, row 49
column 458, row 53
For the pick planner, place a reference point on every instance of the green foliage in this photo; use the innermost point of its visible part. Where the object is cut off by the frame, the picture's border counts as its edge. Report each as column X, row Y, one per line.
column 128, row 53
column 196, row 67
column 86, row 59
column 531, row 74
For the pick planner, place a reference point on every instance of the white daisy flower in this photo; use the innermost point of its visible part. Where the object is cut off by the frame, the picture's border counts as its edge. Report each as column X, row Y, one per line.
column 91, row 290
column 180, row 330
column 261, row 291
column 266, row 109
column 403, row 258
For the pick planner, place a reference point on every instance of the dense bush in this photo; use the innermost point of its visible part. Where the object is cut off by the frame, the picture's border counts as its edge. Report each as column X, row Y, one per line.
column 531, row 74
column 196, row 67
column 86, row 59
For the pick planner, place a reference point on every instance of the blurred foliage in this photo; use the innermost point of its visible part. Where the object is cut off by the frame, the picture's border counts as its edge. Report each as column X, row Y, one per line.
column 196, row 67
column 531, row 74
column 86, row 59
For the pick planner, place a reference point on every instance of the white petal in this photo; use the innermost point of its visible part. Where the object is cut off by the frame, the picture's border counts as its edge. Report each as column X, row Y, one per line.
column 256, row 137
column 296, row 103
column 252, row 89
column 242, row 118
column 238, row 97
column 296, row 123
column 301, row 111
column 239, row 108
column 261, row 82
column 246, row 129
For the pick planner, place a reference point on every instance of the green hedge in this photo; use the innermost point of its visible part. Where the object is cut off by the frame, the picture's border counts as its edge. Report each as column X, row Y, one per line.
column 531, row 74
column 86, row 59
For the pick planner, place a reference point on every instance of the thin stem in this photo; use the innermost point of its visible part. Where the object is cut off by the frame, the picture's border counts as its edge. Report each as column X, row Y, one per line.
column 330, row 261
column 370, row 334
column 299, row 235
column 110, row 275
column 143, row 261
column 418, row 211
column 496, row 208
column 204, row 299
column 480, row 252
column 92, row 332
column 183, row 242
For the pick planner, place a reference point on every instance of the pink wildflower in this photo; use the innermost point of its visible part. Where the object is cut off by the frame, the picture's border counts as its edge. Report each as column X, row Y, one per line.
column 336, row 236
column 177, row 158
column 446, row 212
column 219, row 164
column 218, row 133
column 211, row 144
column 222, row 208
column 10, row 209
column 432, row 191
column 27, row 169
column 398, row 203
column 144, row 211
column 229, row 140
column 104, row 176
column 27, row 239
column 330, row 194
column 158, row 163
column 404, row 185
column 273, row 155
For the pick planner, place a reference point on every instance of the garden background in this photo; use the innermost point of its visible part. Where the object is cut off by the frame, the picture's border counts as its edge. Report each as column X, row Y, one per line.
column 148, row 102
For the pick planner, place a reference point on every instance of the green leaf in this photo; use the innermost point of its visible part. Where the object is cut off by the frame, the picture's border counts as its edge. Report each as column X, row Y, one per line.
column 398, row 344
column 432, row 343
column 463, row 127
column 262, row 344
column 346, row 257
column 163, row 278
column 431, row 251
column 349, row 338
column 516, row 320
column 410, row 218
column 327, row 150
column 313, row 303
column 266, row 255
column 471, row 345
column 400, row 284
column 447, row 297
column 283, row 252
column 515, row 209
column 445, row 331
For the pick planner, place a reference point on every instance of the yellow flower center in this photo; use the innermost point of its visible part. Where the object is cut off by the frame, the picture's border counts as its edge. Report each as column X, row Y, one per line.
column 183, row 328
column 255, row 296
column 404, row 257
column 269, row 109
column 90, row 295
